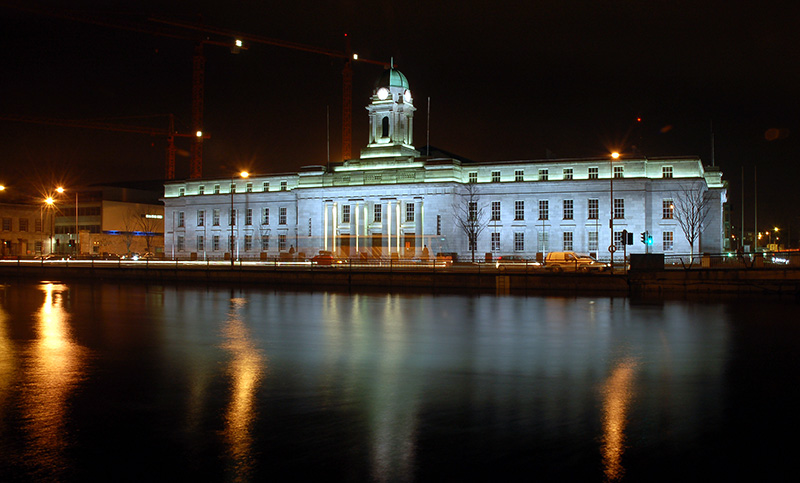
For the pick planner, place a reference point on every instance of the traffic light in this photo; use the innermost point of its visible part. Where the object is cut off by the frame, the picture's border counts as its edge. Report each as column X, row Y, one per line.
column 629, row 240
column 649, row 239
column 643, row 237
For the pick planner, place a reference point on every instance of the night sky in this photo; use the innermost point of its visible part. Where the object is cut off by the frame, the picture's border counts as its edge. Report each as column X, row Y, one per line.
column 506, row 81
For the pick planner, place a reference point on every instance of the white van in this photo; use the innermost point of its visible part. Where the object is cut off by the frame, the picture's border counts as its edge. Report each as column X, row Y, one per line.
column 571, row 261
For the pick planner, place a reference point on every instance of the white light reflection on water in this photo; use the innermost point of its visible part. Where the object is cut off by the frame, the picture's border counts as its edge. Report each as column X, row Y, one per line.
column 56, row 365
column 245, row 368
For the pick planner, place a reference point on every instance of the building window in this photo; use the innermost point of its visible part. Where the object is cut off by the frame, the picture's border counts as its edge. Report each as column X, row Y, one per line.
column 594, row 210
column 233, row 188
column 201, row 218
column 201, row 243
column 282, row 216
column 181, row 191
column 544, row 210
column 619, row 208
column 666, row 172
column 409, row 212
column 567, row 241
column 216, row 189
column 248, row 243
column 232, row 216
column 231, row 243
column 567, row 173
column 619, row 242
column 593, row 173
column 282, row 242
column 495, row 211
column 181, row 223
column 438, row 224
column 519, row 210
column 544, row 240
column 473, row 177
column 519, row 175
column 593, row 241
column 519, row 241
column 201, row 190
column 264, row 243
column 249, row 188
column 265, row 186
column 181, row 246
column 38, row 225
column 495, row 176
column 248, row 217
column 215, row 218
column 568, row 211
column 667, row 241
column 495, row 242
column 23, row 224
column 473, row 211
column 283, row 185
column 345, row 213
column 376, row 212
column 265, row 216
column 473, row 243
column 667, row 209
column 618, row 172
column 215, row 243
column 543, row 174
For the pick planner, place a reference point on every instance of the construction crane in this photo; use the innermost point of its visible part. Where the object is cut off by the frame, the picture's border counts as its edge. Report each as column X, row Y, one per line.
column 169, row 133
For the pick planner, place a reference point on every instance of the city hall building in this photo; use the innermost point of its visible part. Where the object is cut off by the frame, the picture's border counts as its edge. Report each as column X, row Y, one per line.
column 394, row 202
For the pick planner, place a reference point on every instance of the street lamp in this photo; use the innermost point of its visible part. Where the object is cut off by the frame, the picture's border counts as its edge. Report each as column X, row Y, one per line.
column 49, row 202
column 612, row 246
column 76, row 247
column 232, row 218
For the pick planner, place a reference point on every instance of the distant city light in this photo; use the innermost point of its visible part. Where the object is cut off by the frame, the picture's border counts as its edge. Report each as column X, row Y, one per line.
column 238, row 43
column 355, row 56
column 199, row 134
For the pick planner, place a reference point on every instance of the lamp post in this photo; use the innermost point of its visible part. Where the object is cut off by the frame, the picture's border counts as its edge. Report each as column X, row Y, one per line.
column 75, row 248
column 232, row 220
column 50, row 203
column 612, row 246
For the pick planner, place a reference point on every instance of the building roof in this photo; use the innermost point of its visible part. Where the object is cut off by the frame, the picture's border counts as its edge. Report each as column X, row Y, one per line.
column 392, row 77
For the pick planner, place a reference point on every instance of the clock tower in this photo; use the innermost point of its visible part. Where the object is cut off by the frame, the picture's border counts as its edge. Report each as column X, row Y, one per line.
column 391, row 118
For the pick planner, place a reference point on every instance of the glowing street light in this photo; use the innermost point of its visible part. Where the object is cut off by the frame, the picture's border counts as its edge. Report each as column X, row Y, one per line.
column 242, row 174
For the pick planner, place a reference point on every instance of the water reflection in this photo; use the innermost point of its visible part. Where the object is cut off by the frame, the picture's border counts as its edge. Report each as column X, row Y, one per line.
column 56, row 365
column 245, row 369
column 617, row 396
column 8, row 362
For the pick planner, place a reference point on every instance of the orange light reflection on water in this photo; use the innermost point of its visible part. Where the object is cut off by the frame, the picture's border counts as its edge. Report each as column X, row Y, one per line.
column 617, row 396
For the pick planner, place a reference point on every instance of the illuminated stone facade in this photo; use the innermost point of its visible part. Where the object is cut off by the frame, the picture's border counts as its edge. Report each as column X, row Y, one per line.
column 393, row 201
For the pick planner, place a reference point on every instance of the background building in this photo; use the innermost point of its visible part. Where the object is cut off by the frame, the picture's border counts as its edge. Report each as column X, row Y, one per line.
column 395, row 202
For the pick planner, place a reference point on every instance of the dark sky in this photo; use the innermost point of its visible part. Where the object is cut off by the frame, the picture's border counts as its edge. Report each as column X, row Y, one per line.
column 506, row 81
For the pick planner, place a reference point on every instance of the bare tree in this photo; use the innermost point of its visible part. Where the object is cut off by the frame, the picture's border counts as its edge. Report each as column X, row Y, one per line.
column 690, row 210
column 130, row 223
column 150, row 221
column 470, row 216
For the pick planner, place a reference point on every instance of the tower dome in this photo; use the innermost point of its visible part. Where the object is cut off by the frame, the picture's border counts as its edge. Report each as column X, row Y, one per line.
column 392, row 77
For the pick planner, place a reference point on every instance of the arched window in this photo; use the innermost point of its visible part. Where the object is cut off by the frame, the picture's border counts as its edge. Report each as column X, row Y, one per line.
column 385, row 126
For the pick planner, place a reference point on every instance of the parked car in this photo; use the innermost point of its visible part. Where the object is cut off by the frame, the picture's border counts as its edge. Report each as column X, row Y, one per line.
column 515, row 262
column 323, row 258
column 571, row 261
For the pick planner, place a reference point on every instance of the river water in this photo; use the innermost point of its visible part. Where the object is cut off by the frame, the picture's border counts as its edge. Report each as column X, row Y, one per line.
column 125, row 382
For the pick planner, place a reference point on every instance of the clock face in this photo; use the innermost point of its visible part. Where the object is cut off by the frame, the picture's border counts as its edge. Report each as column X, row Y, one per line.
column 407, row 95
column 383, row 93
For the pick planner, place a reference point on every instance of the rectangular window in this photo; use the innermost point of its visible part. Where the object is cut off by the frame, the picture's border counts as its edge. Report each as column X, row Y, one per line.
column 519, row 175
column 282, row 242
column 568, row 211
column 438, row 224
column 567, row 173
column 618, row 172
column 264, row 243
column 594, row 210
column 201, row 218
column 345, row 213
column 265, row 186
column 543, row 174
column 619, row 208
column 233, row 188
column 495, row 176
column 473, row 177
column 248, row 243
column 232, row 216
column 283, row 185
column 544, row 240
column 377, row 212
column 667, row 209
column 473, row 211
column 248, row 217
column 473, row 243
column 282, row 216
column 495, row 211
column 667, row 241
column 201, row 190
column 593, row 173
column 409, row 212
column 23, row 224
column 215, row 243
column 181, row 223
column 181, row 191
column 38, row 225
column 544, row 209
column 215, row 219
column 495, row 242
column 519, row 241
column 38, row 246
column 567, row 241
column 519, row 210
column 249, row 188
column 265, row 216
column 201, row 243
column 180, row 243
column 593, row 241
column 618, row 240
column 216, row 189
column 666, row 172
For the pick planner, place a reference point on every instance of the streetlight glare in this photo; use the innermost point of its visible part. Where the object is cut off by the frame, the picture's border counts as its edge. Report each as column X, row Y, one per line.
column 615, row 155
column 244, row 174
column 49, row 200
column 60, row 189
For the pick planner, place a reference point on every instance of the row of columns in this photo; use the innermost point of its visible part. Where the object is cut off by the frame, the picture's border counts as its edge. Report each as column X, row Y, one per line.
column 358, row 234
